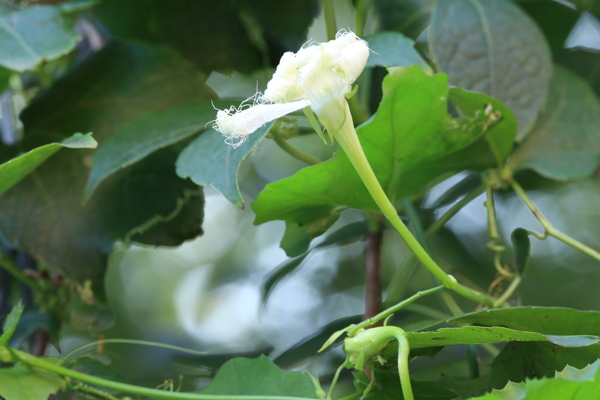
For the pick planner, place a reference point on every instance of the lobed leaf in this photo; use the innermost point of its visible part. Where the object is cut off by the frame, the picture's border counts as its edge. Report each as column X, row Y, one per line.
column 410, row 130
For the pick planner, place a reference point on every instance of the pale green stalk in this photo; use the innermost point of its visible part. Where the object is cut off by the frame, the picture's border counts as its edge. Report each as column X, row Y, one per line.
column 549, row 229
column 291, row 150
column 347, row 138
column 329, row 15
column 132, row 389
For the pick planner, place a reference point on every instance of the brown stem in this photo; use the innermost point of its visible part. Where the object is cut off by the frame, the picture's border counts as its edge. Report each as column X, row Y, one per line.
column 372, row 274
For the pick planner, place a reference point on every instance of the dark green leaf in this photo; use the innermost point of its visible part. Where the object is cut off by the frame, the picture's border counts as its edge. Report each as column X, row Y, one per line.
column 392, row 49
column 459, row 189
column 33, row 35
column 145, row 135
column 570, row 383
column 411, row 125
column 32, row 320
column 297, row 237
column 345, row 235
column 309, row 346
column 409, row 17
column 208, row 160
column 565, row 142
column 387, row 387
column 237, row 35
column 544, row 320
column 13, row 171
column 522, row 247
column 585, row 62
column 185, row 222
column 493, row 47
column 10, row 325
column 43, row 214
column 22, row 383
column 556, row 20
column 518, row 361
column 259, row 377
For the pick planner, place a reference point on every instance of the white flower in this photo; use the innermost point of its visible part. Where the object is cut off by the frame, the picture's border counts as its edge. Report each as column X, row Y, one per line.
column 318, row 75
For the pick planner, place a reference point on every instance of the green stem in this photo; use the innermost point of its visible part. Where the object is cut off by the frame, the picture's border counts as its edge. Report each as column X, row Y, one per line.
column 403, row 353
column 329, row 18
column 291, row 150
column 452, row 211
column 335, row 379
column 352, row 396
column 12, row 269
column 133, row 389
column 347, row 138
column 132, row 341
column 386, row 313
column 494, row 244
column 509, row 292
column 360, row 20
column 548, row 227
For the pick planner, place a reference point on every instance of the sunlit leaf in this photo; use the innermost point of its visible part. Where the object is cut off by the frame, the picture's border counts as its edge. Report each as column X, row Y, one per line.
column 22, row 383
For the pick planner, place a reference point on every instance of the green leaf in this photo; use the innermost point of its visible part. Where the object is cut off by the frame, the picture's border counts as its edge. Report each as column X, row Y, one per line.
column 33, row 35
column 387, row 386
column 10, row 325
column 411, row 125
column 238, row 35
column 493, row 47
column 393, row 49
column 143, row 136
column 31, row 320
column 555, row 19
column 410, row 17
column 21, row 383
column 544, row 320
column 259, row 377
column 519, row 361
column 344, row 235
column 208, row 160
column 565, row 143
column 500, row 137
column 570, row 383
column 43, row 214
column 480, row 335
column 13, row 171
column 522, row 246
column 297, row 237
column 584, row 63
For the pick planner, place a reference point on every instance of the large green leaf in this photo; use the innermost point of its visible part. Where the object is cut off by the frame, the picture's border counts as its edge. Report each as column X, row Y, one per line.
column 565, row 142
column 410, row 17
column 518, row 361
column 544, row 320
column 570, row 383
column 392, row 49
column 33, row 35
column 208, row 160
column 22, row 383
column 480, row 335
column 493, row 47
column 13, row 171
column 259, row 377
column 222, row 35
column 145, row 135
column 386, row 386
column 411, row 125
column 43, row 214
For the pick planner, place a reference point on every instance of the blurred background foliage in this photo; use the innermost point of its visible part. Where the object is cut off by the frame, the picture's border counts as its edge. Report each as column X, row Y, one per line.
column 123, row 59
